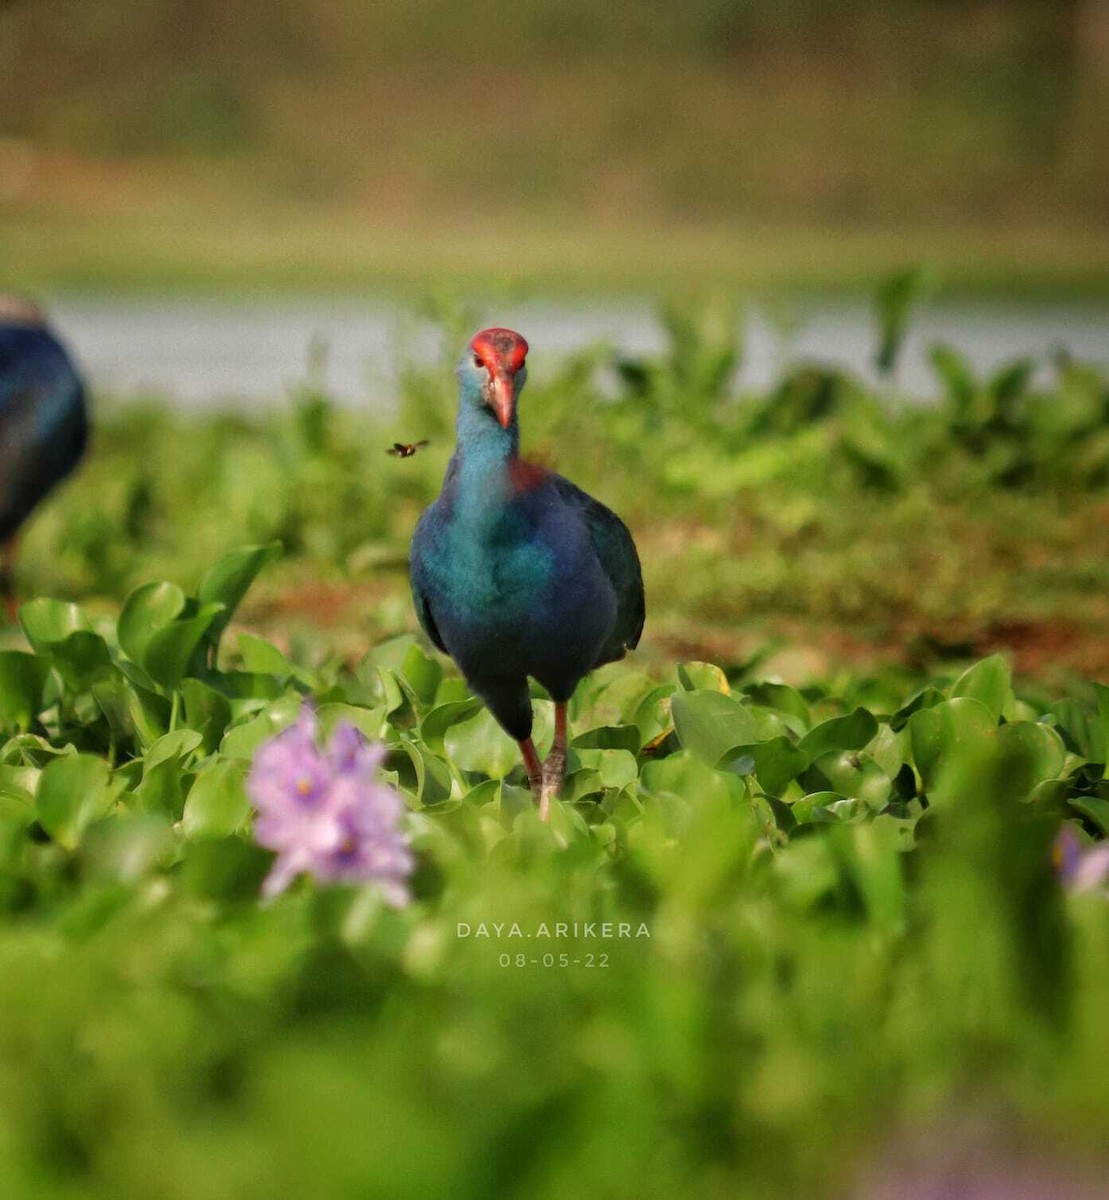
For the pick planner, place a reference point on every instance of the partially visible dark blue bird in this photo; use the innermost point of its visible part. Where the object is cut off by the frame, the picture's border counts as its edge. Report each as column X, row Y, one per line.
column 43, row 423
column 515, row 571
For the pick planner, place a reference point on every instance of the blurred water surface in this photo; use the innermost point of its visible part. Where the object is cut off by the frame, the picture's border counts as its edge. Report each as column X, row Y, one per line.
column 201, row 354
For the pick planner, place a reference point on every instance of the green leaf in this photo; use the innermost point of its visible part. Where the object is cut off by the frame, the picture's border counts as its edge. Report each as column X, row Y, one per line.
column 217, row 804
column 850, row 732
column 807, row 874
column 451, row 689
column 616, row 768
column 169, row 650
column 823, row 807
column 514, row 802
column 928, row 697
column 871, row 854
column 436, row 722
column 858, row 776
column 114, row 699
column 22, row 685
column 614, row 698
column 262, row 657
column 82, row 659
column 47, row 622
column 1032, row 752
column 176, row 745
column 889, row 750
column 421, row 673
column 241, row 741
column 1082, row 725
column 652, row 714
column 133, row 673
column 610, row 737
column 896, row 297
column 162, row 790
column 229, row 580
column 148, row 712
column 393, row 695
column 368, row 721
column 390, row 653
column 1095, row 809
column 146, row 610
column 1009, row 384
column 480, row 744
column 28, row 749
column 206, row 710
column 1050, row 796
column 701, row 676
column 246, row 686
column 774, row 763
column 162, row 787
column 946, row 729
column 486, row 792
column 582, row 784
column 62, row 632
column 687, row 780
column 780, row 696
column 73, row 792
column 1102, row 693
column 18, row 784
column 990, row 683
column 709, row 723
column 433, row 780
column 957, row 378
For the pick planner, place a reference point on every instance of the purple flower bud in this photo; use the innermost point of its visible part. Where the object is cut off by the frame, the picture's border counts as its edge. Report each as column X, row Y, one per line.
column 1081, row 870
column 325, row 813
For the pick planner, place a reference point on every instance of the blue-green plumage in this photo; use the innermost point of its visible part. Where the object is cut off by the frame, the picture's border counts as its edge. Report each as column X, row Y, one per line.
column 515, row 571
column 43, row 421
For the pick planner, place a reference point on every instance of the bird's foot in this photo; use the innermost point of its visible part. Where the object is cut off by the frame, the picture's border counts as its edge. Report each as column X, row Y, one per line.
column 554, row 771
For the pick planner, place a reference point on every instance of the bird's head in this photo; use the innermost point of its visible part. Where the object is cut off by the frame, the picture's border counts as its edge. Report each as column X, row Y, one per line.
column 492, row 372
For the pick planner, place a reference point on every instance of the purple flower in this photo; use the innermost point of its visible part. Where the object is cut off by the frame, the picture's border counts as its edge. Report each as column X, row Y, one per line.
column 325, row 812
column 1080, row 869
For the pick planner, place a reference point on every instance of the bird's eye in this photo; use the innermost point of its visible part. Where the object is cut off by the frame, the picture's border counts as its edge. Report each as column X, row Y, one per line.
column 477, row 361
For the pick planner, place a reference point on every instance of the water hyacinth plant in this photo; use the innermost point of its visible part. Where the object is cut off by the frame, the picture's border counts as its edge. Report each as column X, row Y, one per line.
column 325, row 813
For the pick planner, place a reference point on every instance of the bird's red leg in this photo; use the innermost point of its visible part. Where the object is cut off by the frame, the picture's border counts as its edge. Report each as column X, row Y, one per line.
column 7, row 579
column 554, row 769
column 532, row 764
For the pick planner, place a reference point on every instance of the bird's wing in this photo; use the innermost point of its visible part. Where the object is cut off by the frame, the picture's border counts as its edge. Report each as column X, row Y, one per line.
column 420, row 598
column 616, row 552
column 18, row 418
column 427, row 621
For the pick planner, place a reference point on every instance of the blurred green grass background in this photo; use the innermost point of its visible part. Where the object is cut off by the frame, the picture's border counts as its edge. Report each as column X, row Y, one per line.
column 301, row 143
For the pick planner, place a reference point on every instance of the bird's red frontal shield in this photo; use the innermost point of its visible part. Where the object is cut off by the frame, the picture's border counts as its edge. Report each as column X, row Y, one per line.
column 502, row 353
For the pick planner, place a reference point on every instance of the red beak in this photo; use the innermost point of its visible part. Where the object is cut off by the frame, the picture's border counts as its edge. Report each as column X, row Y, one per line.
column 504, row 402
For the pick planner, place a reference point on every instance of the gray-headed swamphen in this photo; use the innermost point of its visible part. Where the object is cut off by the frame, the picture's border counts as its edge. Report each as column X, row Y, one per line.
column 43, row 423
column 515, row 571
